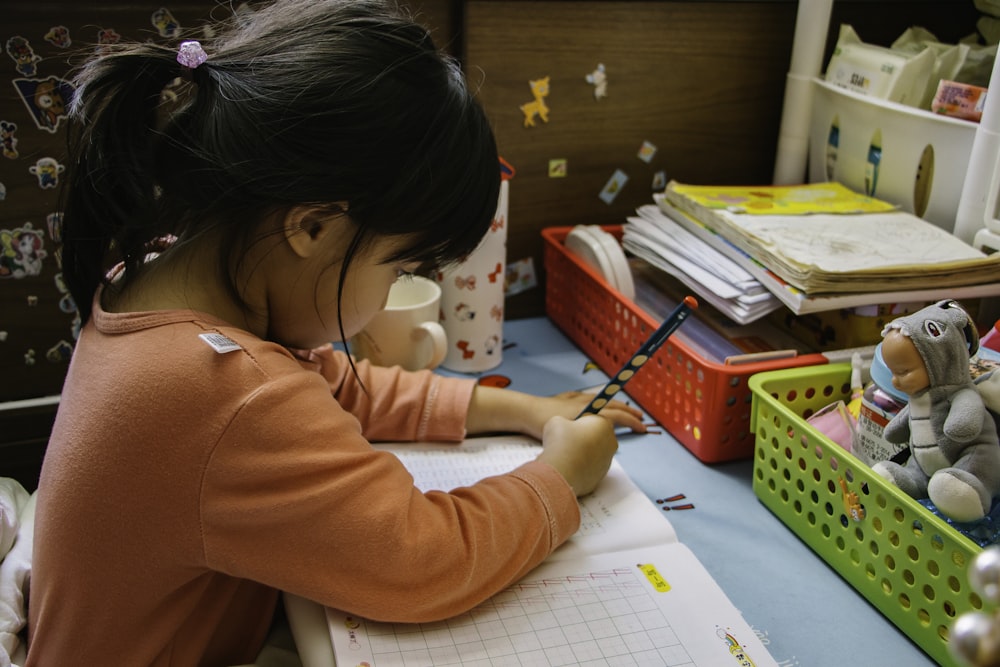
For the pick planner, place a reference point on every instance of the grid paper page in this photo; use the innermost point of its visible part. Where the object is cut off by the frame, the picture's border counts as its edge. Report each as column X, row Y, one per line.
column 601, row 611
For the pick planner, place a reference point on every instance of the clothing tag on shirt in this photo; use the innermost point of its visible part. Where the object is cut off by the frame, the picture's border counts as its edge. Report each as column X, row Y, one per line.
column 220, row 343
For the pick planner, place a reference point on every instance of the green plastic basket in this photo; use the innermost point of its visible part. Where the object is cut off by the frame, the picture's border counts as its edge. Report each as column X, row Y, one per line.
column 905, row 560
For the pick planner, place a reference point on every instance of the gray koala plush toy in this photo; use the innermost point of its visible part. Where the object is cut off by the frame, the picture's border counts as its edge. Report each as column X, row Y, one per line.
column 954, row 448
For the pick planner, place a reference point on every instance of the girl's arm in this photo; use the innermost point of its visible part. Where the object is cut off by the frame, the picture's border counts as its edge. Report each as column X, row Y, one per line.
column 492, row 409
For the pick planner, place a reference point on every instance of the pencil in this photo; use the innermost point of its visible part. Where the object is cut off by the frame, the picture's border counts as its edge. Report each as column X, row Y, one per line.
column 641, row 356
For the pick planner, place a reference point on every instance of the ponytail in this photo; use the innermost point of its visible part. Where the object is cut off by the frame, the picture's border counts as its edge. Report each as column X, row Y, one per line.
column 109, row 200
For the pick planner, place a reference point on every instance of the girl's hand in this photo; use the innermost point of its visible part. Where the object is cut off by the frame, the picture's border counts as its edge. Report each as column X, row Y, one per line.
column 581, row 450
column 504, row 410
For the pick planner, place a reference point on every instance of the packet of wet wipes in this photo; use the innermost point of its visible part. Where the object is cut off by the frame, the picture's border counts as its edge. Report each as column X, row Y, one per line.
column 879, row 71
column 948, row 58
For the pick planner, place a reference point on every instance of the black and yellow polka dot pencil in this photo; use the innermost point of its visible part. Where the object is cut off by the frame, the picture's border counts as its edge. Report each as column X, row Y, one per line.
column 641, row 356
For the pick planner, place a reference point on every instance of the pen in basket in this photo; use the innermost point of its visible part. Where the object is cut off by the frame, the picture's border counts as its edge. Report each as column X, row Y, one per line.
column 642, row 355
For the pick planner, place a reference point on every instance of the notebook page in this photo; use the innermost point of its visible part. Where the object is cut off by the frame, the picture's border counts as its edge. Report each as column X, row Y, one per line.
column 617, row 515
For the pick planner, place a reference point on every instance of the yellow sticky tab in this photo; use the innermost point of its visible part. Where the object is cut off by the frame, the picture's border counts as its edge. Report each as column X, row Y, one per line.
column 659, row 583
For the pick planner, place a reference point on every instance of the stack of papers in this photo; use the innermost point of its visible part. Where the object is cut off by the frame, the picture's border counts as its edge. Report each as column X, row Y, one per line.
column 822, row 247
column 661, row 241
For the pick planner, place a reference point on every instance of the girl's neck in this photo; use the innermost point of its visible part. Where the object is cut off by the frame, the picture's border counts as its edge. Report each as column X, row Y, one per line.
column 185, row 277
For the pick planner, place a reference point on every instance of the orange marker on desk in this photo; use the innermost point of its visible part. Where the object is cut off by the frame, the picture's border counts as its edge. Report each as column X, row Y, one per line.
column 641, row 356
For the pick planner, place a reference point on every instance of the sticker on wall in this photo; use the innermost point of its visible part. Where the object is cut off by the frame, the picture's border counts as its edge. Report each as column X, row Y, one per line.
column 24, row 57
column 165, row 23
column 54, row 222
column 3, row 192
column 106, row 36
column 60, row 352
column 66, row 302
column 47, row 170
column 519, row 276
column 599, row 80
column 58, row 36
column 21, row 252
column 46, row 100
column 3, row 336
column 613, row 186
column 7, row 139
column 660, row 180
column 29, row 357
column 539, row 90
column 646, row 152
column 557, row 168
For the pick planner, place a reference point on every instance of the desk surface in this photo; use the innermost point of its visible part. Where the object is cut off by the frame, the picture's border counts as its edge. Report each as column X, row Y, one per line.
column 803, row 611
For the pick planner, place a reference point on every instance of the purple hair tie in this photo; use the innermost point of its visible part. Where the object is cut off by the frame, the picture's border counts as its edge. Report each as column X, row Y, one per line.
column 191, row 55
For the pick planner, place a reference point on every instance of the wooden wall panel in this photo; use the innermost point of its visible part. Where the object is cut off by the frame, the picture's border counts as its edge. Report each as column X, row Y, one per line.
column 700, row 80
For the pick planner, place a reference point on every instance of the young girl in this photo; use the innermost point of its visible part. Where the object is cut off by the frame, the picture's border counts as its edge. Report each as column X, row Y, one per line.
column 211, row 449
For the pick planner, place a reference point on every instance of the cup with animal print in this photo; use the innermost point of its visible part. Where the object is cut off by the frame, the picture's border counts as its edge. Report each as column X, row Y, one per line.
column 472, row 299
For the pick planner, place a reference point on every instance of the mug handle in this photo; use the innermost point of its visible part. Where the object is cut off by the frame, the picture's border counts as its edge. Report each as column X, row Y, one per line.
column 439, row 340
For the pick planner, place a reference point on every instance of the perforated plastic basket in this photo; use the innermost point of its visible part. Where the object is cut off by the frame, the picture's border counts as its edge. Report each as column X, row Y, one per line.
column 704, row 405
column 904, row 559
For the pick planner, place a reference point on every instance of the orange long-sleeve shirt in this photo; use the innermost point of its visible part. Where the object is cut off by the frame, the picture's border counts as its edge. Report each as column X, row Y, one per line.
column 183, row 488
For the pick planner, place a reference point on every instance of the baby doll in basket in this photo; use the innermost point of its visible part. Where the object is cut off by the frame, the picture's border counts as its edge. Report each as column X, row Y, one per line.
column 952, row 436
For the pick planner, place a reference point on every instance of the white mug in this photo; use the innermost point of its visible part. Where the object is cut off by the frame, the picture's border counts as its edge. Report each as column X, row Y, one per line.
column 406, row 332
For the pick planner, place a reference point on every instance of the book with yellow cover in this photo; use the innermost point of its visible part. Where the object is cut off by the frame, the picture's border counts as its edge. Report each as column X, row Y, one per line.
column 805, row 199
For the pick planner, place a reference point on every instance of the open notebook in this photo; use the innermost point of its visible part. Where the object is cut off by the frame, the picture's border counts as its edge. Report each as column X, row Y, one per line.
column 622, row 591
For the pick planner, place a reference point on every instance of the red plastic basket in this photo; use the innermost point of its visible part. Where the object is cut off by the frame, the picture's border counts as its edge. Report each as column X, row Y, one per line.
column 705, row 405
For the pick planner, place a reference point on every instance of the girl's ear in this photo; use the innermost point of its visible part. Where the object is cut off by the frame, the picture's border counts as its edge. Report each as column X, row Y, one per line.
column 306, row 228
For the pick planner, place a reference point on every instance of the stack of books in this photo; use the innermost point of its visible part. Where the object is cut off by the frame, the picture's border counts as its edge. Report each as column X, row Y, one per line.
column 717, row 279
column 819, row 247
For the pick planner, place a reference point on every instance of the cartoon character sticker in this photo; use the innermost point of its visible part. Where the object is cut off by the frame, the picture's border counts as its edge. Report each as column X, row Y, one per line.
column 60, row 352
column 58, row 36
column 66, row 302
column 54, row 222
column 8, row 142
column 537, row 107
column 24, row 57
column 21, row 252
column 599, row 80
column 106, row 36
column 46, row 100
column 47, row 171
column 165, row 23
column 614, row 185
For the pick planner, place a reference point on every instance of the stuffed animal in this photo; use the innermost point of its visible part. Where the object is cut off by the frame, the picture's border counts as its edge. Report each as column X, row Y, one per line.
column 952, row 437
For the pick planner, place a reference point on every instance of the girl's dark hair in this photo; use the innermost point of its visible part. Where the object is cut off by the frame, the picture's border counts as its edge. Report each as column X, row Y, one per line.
column 301, row 102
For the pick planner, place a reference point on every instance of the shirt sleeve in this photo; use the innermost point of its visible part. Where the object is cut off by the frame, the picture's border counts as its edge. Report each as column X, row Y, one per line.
column 295, row 497
column 393, row 404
